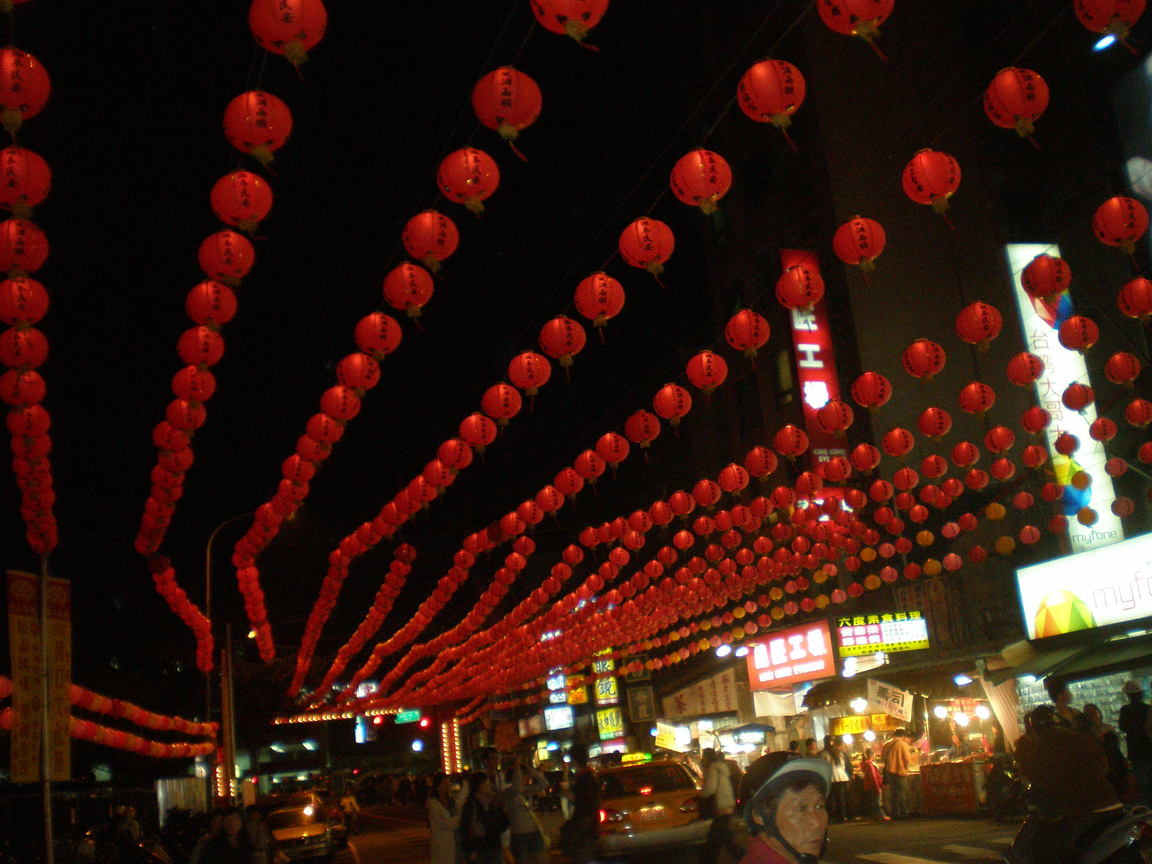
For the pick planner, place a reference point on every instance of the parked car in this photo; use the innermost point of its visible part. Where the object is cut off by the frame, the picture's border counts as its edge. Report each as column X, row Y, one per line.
column 305, row 828
column 649, row 807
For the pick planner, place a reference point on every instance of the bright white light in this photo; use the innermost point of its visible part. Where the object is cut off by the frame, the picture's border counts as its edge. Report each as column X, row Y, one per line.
column 309, row 810
column 251, row 634
column 961, row 718
column 276, row 748
column 723, row 650
column 847, row 739
column 859, row 704
column 552, row 746
column 742, row 651
column 310, row 745
column 982, row 712
column 940, row 712
column 417, row 745
column 652, row 732
column 961, row 679
column 869, row 735
column 1105, row 43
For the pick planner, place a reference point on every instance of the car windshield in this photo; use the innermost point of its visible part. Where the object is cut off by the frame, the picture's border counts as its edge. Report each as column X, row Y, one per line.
column 654, row 778
column 290, row 819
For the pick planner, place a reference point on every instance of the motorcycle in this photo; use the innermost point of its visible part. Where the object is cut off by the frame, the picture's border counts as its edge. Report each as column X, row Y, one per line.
column 1128, row 840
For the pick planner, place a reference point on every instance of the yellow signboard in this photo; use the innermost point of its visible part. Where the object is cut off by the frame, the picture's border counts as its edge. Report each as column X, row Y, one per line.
column 860, row 723
column 578, row 695
column 607, row 692
column 666, row 737
column 609, row 723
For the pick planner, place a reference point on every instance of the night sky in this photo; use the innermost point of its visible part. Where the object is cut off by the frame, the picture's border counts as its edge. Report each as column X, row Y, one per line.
column 133, row 135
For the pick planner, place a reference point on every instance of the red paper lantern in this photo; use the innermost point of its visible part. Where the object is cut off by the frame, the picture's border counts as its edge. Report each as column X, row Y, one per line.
column 288, row 27
column 572, row 18
column 642, row 427
column 589, row 465
column 408, row 287
column 672, row 402
column 978, row 324
column 340, row 403
column 834, row 416
column 647, row 243
column 430, row 237
column 760, row 461
column 1046, row 276
column 771, row 91
column 468, row 176
column 23, row 247
column 612, row 448
column 799, row 287
column 599, row 298
column 501, row 402
column 1121, row 368
column 529, row 371
column 25, row 180
column 1138, row 412
column 931, row 177
column 1015, row 100
column 1033, row 456
column 733, row 478
column 999, row 439
column 562, row 338
column 22, row 388
column 24, row 88
column 871, row 390
column 226, row 256
column 1115, row 17
column 923, row 359
column 864, row 457
column 700, row 178
column 200, row 346
column 859, row 242
column 934, row 422
column 241, row 199
column 1066, row 444
column 257, row 123
column 1035, row 419
column 707, row 370
column 897, row 442
column 1103, row 429
column 507, row 100
column 1120, row 221
column 193, row 384
column 358, row 371
column 377, row 334
column 790, row 441
column 1025, row 369
column 856, row 17
column 1135, row 299
column 1077, row 396
column 836, row 470
column 977, row 397
column 23, row 301
column 210, row 303
column 1079, row 333
column 747, row 331
column 479, row 431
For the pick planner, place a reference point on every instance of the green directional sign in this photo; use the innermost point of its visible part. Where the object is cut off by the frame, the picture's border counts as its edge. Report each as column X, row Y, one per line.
column 407, row 716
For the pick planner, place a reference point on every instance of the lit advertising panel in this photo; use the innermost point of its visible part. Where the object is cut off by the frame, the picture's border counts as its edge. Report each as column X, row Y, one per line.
column 1103, row 586
column 1040, row 321
column 888, row 632
column 786, row 657
column 558, row 717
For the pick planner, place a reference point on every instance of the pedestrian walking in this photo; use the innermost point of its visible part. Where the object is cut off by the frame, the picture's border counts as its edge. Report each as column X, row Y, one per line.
column 835, row 755
column 718, row 787
column 350, row 809
column 1135, row 723
column 525, row 836
column 896, row 758
column 578, row 835
column 482, row 821
column 873, row 785
column 443, row 822
column 1092, row 722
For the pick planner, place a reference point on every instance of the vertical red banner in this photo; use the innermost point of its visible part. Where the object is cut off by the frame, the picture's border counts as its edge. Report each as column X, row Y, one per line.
column 58, row 632
column 815, row 365
column 27, row 686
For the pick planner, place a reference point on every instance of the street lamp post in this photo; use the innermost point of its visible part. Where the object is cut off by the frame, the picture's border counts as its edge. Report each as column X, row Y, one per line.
column 226, row 649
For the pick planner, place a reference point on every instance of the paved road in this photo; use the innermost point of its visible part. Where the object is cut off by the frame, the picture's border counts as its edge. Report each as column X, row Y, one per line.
column 400, row 837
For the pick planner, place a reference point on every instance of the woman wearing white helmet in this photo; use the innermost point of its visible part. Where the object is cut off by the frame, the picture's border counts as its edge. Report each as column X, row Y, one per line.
column 786, row 814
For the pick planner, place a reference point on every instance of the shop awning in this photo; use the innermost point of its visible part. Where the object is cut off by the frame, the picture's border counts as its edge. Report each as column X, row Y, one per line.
column 1097, row 653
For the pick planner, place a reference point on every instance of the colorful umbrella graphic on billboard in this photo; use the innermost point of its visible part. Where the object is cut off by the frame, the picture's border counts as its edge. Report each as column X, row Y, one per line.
column 1060, row 612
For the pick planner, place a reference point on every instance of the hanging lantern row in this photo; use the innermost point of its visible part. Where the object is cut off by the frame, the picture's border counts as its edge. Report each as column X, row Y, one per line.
column 86, row 730
column 164, row 577
column 26, row 181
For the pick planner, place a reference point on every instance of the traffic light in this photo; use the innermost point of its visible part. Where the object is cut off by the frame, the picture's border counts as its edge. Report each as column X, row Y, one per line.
column 425, row 722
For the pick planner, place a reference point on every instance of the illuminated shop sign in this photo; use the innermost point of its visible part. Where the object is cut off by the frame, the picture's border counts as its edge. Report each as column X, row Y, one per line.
column 609, row 723
column 815, row 364
column 558, row 717
column 1108, row 585
column 607, row 693
column 888, row 632
column 1040, row 320
column 785, row 657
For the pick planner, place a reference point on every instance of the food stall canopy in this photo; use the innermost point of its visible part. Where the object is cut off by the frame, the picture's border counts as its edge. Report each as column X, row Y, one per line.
column 1097, row 652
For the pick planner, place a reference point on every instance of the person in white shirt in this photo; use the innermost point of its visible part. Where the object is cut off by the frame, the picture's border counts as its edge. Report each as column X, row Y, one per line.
column 836, row 756
column 443, row 821
column 718, row 787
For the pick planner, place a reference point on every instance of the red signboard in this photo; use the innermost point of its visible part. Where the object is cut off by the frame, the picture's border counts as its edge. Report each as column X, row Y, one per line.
column 786, row 657
column 815, row 365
